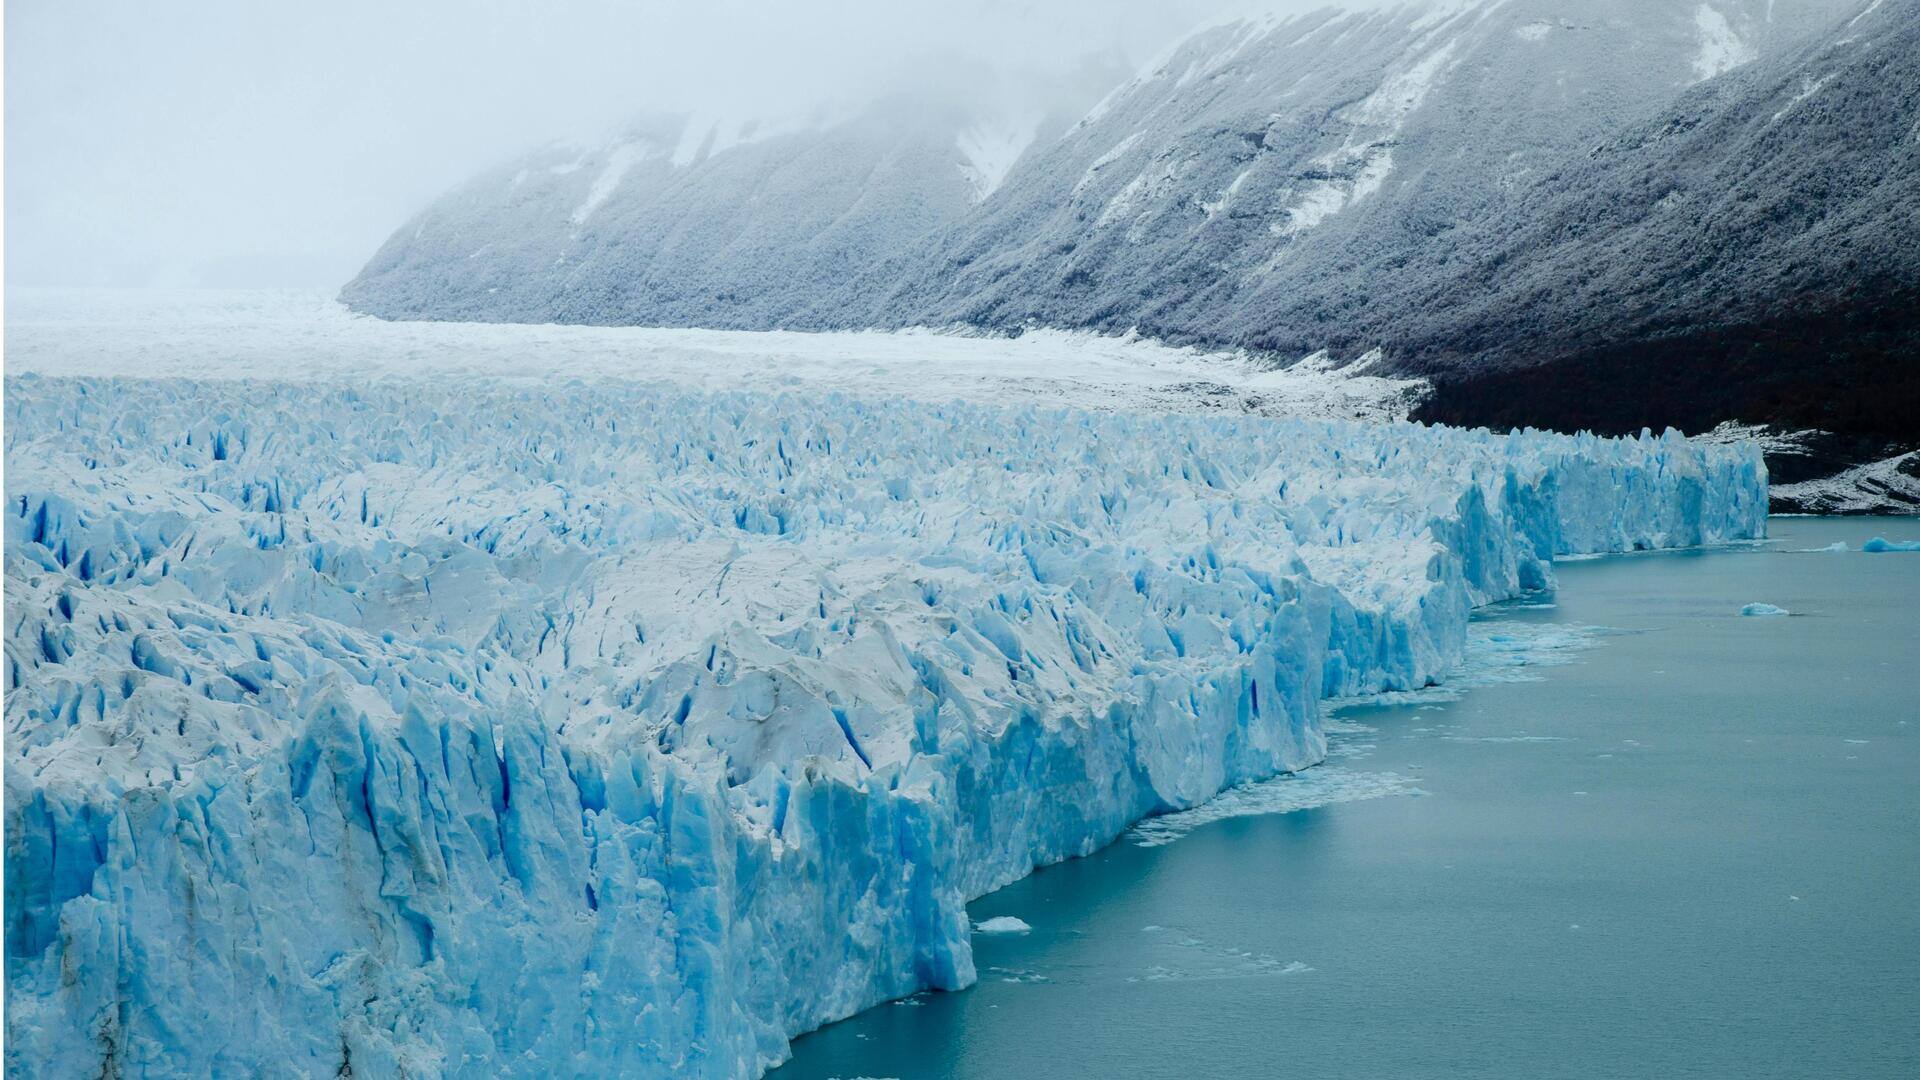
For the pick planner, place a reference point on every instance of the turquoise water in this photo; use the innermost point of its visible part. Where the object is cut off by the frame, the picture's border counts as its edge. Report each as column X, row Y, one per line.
column 1694, row 850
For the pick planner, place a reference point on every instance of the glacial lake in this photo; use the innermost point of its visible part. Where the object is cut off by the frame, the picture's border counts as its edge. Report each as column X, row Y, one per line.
column 1659, row 840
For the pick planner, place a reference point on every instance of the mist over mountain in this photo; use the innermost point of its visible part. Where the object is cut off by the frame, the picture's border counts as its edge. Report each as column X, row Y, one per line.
column 1270, row 176
column 798, row 470
column 719, row 221
column 1635, row 212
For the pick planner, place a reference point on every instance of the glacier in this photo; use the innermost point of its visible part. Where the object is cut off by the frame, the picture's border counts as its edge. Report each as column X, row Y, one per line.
column 488, row 726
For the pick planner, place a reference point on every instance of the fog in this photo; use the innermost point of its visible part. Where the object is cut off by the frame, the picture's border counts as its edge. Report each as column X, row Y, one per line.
column 239, row 143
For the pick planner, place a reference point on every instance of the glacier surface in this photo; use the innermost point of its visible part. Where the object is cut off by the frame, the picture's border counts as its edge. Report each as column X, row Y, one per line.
column 299, row 336
column 494, row 727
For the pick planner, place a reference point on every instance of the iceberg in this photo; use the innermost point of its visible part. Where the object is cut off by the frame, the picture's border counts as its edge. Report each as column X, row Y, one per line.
column 1002, row 924
column 1763, row 610
column 492, row 727
column 1880, row 545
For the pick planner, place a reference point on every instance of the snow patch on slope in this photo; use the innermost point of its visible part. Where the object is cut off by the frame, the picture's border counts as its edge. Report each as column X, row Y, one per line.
column 1721, row 47
column 1864, row 12
column 1891, row 485
column 707, row 136
column 989, row 149
column 1809, row 86
column 1360, row 165
column 1772, row 440
column 620, row 159
column 695, row 135
column 1239, row 28
column 1113, row 154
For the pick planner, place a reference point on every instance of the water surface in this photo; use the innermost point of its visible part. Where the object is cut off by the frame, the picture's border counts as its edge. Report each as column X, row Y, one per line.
column 1692, row 851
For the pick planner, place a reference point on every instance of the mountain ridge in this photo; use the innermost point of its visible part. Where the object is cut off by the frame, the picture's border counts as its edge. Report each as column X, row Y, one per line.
column 1638, row 214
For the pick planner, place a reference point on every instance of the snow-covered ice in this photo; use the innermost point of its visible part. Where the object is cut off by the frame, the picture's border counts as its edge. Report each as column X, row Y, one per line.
column 1885, row 486
column 307, row 336
column 457, row 722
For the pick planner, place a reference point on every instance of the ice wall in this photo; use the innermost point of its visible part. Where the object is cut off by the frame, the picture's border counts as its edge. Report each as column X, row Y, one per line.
column 489, row 729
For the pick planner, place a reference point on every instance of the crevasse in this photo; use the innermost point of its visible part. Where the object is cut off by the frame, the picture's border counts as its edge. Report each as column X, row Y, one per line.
column 604, row 728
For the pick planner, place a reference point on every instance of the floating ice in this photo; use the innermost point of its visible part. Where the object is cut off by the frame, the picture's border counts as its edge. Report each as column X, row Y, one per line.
column 1190, row 957
column 1499, row 650
column 1321, row 786
column 1881, row 544
column 1763, row 609
column 462, row 727
column 1002, row 924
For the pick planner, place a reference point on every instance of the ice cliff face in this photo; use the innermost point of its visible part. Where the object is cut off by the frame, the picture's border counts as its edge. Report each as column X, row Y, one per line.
column 421, row 727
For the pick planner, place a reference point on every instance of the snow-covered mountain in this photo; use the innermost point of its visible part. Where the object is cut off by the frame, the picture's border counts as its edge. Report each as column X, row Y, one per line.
column 1241, row 187
column 1263, row 180
column 691, row 220
column 1607, row 215
column 1751, row 253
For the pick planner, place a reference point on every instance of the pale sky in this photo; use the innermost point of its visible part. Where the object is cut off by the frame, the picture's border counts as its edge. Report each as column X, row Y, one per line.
column 277, row 143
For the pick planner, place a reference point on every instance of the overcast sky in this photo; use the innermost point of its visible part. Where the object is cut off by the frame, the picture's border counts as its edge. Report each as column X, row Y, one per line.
column 277, row 143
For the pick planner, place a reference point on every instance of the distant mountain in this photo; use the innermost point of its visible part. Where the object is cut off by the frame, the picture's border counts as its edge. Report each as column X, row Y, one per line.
column 693, row 221
column 1253, row 186
column 1263, row 182
column 1609, row 215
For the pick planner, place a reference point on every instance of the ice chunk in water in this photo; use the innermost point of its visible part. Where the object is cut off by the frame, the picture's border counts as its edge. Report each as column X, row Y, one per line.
column 1002, row 924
